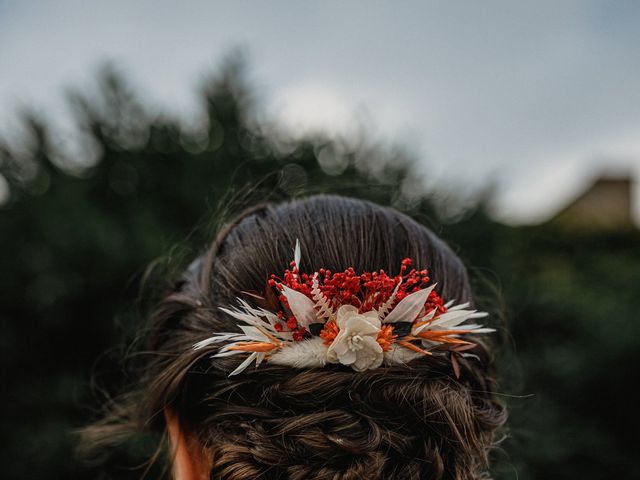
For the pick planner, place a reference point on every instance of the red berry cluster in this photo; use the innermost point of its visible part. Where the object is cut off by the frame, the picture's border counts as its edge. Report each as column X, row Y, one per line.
column 366, row 291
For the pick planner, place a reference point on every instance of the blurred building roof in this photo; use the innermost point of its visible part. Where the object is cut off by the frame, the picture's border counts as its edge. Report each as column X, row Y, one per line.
column 605, row 205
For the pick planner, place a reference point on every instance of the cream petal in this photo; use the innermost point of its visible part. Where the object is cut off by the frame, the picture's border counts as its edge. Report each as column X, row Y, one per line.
column 340, row 347
column 372, row 317
column 372, row 345
column 348, row 309
column 332, row 356
column 344, row 313
column 362, row 326
column 348, row 358
column 361, row 365
column 378, row 361
column 366, row 362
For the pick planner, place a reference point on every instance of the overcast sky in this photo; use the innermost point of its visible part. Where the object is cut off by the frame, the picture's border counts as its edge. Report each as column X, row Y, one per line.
column 537, row 96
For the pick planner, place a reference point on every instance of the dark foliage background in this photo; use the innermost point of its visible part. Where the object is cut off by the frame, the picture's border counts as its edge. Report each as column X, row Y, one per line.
column 80, row 233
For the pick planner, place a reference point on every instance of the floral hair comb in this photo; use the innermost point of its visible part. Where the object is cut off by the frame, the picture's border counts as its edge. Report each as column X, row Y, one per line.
column 360, row 320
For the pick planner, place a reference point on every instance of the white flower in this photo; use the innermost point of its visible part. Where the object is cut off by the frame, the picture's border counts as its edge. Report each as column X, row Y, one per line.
column 356, row 344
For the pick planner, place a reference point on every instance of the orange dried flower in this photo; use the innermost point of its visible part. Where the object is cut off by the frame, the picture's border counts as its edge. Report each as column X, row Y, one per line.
column 329, row 332
column 386, row 337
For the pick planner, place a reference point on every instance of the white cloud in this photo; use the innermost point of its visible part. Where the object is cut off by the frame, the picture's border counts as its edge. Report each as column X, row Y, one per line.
column 307, row 108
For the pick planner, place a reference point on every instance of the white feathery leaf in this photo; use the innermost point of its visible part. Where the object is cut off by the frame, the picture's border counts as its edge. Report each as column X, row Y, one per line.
column 383, row 311
column 410, row 306
column 325, row 310
column 260, row 358
column 257, row 312
column 244, row 364
column 417, row 330
column 429, row 316
column 254, row 333
column 301, row 306
column 239, row 314
column 297, row 255
column 219, row 337
column 257, row 322
column 239, row 338
column 466, row 326
column 482, row 330
column 451, row 319
column 228, row 353
column 248, row 309
column 462, row 306
column 226, row 347
column 259, row 318
column 265, row 320
column 271, row 317
column 479, row 315
column 449, row 303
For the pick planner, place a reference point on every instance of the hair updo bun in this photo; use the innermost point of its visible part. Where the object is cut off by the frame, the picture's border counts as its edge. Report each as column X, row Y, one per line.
column 394, row 422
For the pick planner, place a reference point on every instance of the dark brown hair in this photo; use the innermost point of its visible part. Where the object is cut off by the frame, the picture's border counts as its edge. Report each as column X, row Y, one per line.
column 396, row 422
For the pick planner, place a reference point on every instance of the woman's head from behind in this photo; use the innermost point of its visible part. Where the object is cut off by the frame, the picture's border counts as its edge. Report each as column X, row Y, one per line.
column 414, row 421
